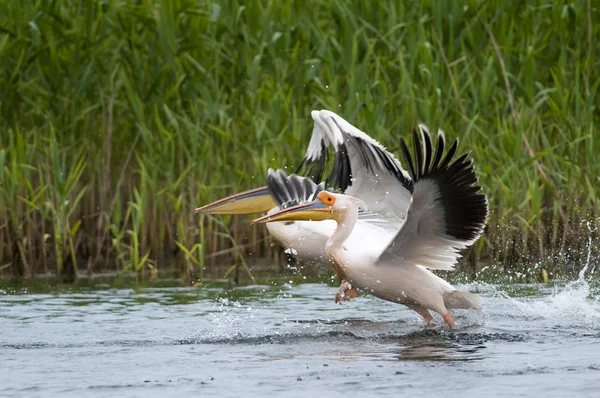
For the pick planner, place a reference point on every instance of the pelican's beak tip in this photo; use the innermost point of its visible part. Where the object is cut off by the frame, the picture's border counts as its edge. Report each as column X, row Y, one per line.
column 256, row 221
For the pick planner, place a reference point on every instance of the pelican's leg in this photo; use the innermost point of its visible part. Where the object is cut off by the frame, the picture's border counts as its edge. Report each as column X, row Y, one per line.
column 345, row 292
column 424, row 312
column 449, row 320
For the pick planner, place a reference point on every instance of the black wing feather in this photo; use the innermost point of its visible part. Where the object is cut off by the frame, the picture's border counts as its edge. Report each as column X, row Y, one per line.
column 408, row 157
column 314, row 169
column 291, row 190
column 464, row 206
column 428, row 150
column 418, row 155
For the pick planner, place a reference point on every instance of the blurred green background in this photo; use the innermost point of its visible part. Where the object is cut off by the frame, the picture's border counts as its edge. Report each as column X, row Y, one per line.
column 118, row 118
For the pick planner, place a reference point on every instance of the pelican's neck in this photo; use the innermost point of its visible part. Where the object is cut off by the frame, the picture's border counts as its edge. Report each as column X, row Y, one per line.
column 345, row 226
column 335, row 243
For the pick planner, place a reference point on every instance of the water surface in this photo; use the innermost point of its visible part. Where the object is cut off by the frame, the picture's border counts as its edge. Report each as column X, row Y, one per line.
column 292, row 340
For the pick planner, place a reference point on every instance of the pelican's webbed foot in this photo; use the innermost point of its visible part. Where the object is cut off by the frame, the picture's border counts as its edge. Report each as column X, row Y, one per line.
column 345, row 292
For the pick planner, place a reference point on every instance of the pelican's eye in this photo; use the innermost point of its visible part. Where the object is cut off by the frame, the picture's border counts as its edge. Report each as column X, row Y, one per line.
column 326, row 198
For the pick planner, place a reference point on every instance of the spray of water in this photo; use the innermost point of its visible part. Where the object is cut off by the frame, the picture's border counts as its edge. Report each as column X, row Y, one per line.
column 581, row 278
column 570, row 305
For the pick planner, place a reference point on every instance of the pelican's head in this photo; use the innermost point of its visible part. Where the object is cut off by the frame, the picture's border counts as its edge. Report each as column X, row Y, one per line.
column 327, row 206
column 253, row 201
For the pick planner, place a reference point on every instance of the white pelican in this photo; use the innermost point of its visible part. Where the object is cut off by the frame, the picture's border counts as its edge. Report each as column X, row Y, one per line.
column 446, row 213
column 362, row 168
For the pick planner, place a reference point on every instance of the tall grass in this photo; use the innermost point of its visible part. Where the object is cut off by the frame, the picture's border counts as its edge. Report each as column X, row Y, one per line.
column 118, row 118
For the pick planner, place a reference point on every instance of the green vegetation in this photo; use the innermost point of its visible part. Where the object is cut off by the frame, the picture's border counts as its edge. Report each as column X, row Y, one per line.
column 118, row 118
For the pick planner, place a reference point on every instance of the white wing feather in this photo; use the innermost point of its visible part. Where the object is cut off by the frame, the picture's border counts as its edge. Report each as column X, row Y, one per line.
column 376, row 176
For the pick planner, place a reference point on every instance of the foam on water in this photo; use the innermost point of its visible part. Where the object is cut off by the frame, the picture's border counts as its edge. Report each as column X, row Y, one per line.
column 225, row 320
column 570, row 305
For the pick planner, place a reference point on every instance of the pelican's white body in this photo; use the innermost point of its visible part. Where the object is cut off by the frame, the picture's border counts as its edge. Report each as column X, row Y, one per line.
column 403, row 282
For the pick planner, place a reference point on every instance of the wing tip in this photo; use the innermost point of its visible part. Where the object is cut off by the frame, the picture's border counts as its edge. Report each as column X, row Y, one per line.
column 465, row 205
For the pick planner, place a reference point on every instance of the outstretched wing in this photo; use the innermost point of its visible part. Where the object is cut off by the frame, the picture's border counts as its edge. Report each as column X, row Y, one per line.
column 448, row 212
column 362, row 167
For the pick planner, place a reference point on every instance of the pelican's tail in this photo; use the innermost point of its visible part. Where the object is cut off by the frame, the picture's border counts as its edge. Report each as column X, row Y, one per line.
column 460, row 299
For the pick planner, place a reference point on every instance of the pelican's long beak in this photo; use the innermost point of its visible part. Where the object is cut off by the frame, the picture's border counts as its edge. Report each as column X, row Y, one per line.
column 312, row 211
column 253, row 201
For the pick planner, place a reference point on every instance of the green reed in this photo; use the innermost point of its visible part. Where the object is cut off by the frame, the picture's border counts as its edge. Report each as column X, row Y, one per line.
column 119, row 118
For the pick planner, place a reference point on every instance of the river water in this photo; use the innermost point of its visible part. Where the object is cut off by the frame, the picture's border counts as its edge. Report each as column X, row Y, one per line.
column 291, row 340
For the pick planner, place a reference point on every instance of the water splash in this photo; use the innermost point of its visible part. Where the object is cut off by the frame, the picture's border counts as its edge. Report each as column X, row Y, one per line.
column 226, row 320
column 571, row 305
column 581, row 278
column 568, row 306
column 573, row 302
